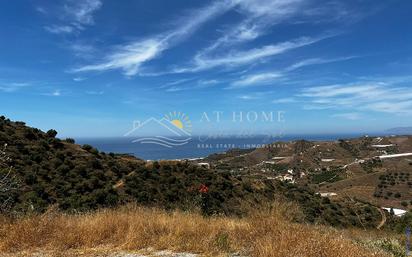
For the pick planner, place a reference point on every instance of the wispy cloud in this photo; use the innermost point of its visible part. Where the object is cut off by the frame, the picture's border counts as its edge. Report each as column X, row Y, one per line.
column 348, row 116
column 94, row 92
column 176, row 82
column 265, row 95
column 207, row 83
column 82, row 50
column 175, row 89
column 326, row 92
column 265, row 78
column 55, row 93
column 255, row 79
column 259, row 15
column 12, row 87
column 401, row 107
column 371, row 96
column 57, row 29
column 248, row 97
column 78, row 79
column 41, row 10
column 82, row 11
column 316, row 61
column 131, row 56
column 237, row 58
column 75, row 16
column 285, row 100
column 200, row 84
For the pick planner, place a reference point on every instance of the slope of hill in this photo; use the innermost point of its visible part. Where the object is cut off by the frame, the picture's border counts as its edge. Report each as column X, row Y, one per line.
column 400, row 130
column 53, row 171
column 138, row 232
column 50, row 171
column 377, row 170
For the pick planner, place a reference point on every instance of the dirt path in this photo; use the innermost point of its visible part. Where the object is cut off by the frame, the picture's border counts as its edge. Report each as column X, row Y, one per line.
column 383, row 221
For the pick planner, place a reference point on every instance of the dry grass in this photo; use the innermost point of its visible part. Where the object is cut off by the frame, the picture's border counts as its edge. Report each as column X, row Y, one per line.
column 266, row 233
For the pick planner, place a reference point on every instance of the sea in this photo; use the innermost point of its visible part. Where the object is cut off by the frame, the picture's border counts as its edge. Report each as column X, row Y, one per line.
column 198, row 146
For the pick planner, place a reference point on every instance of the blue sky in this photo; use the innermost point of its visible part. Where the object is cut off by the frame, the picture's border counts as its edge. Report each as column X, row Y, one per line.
column 92, row 67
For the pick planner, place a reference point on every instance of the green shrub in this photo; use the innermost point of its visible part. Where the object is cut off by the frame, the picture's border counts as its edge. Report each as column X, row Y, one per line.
column 51, row 133
column 70, row 140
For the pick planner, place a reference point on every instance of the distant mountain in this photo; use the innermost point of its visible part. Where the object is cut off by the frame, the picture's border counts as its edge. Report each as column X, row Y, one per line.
column 400, row 130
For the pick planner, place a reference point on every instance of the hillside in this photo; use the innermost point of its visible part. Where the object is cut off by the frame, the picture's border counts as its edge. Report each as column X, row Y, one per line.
column 377, row 170
column 142, row 232
column 63, row 198
column 49, row 171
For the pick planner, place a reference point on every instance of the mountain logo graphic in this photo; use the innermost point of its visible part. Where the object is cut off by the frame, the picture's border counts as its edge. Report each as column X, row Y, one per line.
column 175, row 129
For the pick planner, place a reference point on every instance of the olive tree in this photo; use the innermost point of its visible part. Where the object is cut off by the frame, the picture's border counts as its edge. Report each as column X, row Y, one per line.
column 8, row 181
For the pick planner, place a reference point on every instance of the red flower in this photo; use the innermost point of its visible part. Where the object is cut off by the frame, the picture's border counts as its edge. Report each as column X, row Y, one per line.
column 203, row 189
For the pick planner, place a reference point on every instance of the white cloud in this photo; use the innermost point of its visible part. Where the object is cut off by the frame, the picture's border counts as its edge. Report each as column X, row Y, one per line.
column 200, row 84
column 82, row 11
column 130, row 57
column 268, row 77
column 348, row 116
column 268, row 8
column 259, row 15
column 255, row 95
column 316, row 61
column 55, row 93
column 56, row 29
column 190, row 23
column 236, row 58
column 207, row 83
column 78, row 79
column 175, row 89
column 401, row 107
column 176, row 82
column 371, row 96
column 285, row 100
column 256, row 79
column 248, row 97
column 41, row 10
column 12, row 87
column 340, row 90
column 84, row 51
column 95, row 92
column 75, row 14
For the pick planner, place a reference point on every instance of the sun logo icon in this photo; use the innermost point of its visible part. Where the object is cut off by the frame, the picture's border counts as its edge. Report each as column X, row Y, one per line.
column 180, row 120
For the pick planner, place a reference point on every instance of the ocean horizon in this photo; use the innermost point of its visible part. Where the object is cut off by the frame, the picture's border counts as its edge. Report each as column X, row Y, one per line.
column 200, row 147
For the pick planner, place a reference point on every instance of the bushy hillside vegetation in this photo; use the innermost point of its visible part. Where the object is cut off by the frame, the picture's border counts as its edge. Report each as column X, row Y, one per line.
column 50, row 171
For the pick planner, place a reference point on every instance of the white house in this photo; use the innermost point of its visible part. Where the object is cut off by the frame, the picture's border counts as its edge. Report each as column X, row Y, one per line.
column 204, row 165
column 398, row 212
column 287, row 178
